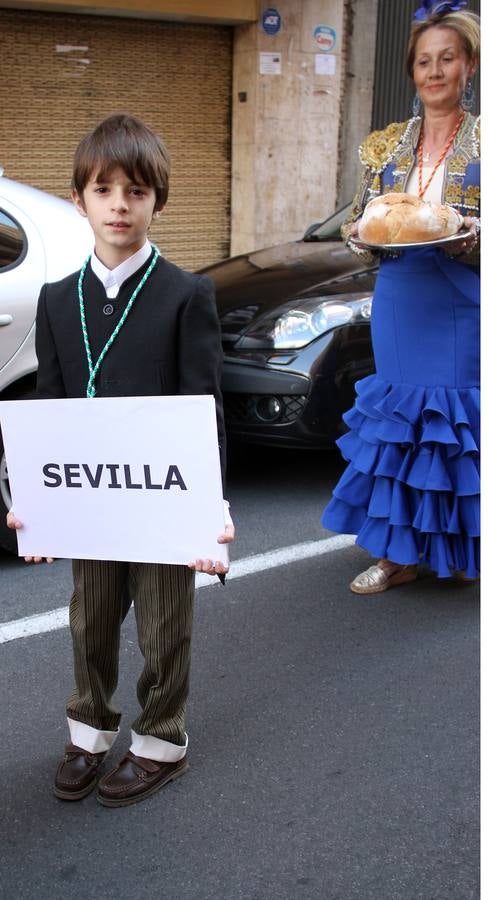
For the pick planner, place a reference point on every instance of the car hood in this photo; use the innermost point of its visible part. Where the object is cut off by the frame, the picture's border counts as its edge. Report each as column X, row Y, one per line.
column 251, row 285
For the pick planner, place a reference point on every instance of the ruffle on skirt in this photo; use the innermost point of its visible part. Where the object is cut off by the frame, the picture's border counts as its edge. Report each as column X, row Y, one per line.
column 411, row 490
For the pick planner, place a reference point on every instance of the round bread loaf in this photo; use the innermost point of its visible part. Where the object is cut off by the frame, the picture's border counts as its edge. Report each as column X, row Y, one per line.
column 405, row 219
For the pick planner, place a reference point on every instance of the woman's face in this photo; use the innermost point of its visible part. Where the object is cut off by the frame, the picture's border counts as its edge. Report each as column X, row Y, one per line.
column 441, row 68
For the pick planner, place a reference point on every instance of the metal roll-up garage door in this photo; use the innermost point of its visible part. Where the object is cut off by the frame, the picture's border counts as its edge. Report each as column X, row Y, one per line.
column 62, row 73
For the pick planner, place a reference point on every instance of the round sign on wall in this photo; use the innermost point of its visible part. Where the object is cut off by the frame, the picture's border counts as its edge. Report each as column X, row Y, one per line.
column 325, row 37
column 271, row 20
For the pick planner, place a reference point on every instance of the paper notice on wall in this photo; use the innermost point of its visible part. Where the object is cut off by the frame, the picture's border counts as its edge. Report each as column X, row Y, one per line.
column 325, row 64
column 270, row 63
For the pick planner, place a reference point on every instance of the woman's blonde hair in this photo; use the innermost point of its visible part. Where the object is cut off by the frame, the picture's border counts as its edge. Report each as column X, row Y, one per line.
column 466, row 24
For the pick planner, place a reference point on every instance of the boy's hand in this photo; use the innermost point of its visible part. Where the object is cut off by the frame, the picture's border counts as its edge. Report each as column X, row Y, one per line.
column 13, row 522
column 210, row 567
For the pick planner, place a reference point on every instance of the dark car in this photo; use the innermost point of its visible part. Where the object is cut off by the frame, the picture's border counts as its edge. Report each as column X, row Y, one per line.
column 295, row 322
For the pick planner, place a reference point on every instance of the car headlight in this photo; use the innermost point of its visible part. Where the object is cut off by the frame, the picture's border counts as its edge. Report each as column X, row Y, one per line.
column 300, row 323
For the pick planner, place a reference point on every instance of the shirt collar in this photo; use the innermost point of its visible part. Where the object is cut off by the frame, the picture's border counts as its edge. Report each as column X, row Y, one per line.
column 113, row 279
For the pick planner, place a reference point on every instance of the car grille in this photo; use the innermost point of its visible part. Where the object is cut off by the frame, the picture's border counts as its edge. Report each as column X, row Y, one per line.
column 281, row 409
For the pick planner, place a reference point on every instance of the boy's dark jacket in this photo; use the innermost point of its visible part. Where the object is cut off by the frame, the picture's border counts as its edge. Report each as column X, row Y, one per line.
column 170, row 343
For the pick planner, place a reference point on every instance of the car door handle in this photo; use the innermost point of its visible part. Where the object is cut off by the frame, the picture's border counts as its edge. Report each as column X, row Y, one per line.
column 6, row 319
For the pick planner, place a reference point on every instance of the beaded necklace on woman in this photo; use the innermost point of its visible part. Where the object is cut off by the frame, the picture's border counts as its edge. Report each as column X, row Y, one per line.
column 93, row 369
column 422, row 189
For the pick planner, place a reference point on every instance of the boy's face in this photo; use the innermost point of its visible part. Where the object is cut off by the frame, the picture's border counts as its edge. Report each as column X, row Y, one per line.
column 120, row 213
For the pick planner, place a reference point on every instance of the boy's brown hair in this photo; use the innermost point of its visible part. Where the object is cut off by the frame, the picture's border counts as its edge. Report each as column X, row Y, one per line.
column 122, row 140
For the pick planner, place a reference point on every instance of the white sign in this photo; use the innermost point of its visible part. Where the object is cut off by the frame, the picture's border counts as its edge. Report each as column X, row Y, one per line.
column 270, row 63
column 123, row 478
column 324, row 64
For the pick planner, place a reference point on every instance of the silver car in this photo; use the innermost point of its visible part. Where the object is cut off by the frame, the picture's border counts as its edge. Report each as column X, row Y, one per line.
column 42, row 238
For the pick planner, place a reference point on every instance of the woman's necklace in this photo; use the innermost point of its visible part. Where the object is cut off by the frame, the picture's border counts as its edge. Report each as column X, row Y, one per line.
column 93, row 369
column 422, row 190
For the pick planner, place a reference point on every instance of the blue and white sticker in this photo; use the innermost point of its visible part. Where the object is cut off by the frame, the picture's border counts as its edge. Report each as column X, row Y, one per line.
column 325, row 37
column 271, row 20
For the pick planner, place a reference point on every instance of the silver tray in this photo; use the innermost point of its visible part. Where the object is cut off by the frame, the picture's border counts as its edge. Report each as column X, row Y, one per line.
column 453, row 238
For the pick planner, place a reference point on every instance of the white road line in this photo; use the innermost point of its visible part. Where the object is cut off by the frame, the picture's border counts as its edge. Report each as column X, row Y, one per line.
column 250, row 565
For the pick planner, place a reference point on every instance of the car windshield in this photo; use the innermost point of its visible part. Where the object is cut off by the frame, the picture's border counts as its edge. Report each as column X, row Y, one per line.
column 329, row 230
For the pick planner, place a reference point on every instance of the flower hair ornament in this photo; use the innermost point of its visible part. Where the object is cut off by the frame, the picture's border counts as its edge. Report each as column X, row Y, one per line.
column 431, row 8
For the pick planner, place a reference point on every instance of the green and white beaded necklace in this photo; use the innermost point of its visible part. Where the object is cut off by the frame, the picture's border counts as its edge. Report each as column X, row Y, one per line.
column 93, row 369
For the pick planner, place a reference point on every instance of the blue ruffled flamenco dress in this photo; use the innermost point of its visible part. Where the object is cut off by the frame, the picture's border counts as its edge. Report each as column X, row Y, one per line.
column 411, row 490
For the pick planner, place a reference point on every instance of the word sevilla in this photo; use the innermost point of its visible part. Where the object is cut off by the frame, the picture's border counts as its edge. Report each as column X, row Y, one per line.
column 75, row 475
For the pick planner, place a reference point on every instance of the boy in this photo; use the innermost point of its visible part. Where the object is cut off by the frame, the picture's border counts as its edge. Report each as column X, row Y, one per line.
column 168, row 344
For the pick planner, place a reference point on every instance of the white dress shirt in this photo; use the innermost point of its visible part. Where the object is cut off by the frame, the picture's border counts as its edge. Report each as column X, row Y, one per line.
column 113, row 279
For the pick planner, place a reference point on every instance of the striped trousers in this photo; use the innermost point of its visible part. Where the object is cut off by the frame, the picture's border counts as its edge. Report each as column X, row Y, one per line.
column 163, row 598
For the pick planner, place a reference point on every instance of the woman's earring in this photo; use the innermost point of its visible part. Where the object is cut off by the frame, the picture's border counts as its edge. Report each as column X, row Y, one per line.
column 467, row 100
column 416, row 104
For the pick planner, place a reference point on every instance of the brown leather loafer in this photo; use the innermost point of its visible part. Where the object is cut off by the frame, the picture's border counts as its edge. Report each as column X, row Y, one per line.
column 76, row 775
column 135, row 778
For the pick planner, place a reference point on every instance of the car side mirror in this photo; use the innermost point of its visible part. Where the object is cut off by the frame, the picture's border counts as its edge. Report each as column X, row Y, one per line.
column 311, row 228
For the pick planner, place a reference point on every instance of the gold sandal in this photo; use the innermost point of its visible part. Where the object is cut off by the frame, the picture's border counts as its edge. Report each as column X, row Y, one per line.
column 376, row 579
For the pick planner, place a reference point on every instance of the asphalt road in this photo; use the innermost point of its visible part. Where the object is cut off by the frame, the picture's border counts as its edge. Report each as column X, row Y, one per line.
column 333, row 738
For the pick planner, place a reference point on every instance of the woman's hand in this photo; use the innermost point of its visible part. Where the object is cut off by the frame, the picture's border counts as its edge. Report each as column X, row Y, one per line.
column 354, row 234
column 474, row 226
column 15, row 523
column 209, row 566
column 469, row 242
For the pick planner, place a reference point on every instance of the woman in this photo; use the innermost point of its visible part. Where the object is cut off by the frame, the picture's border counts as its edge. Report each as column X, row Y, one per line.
column 410, row 491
